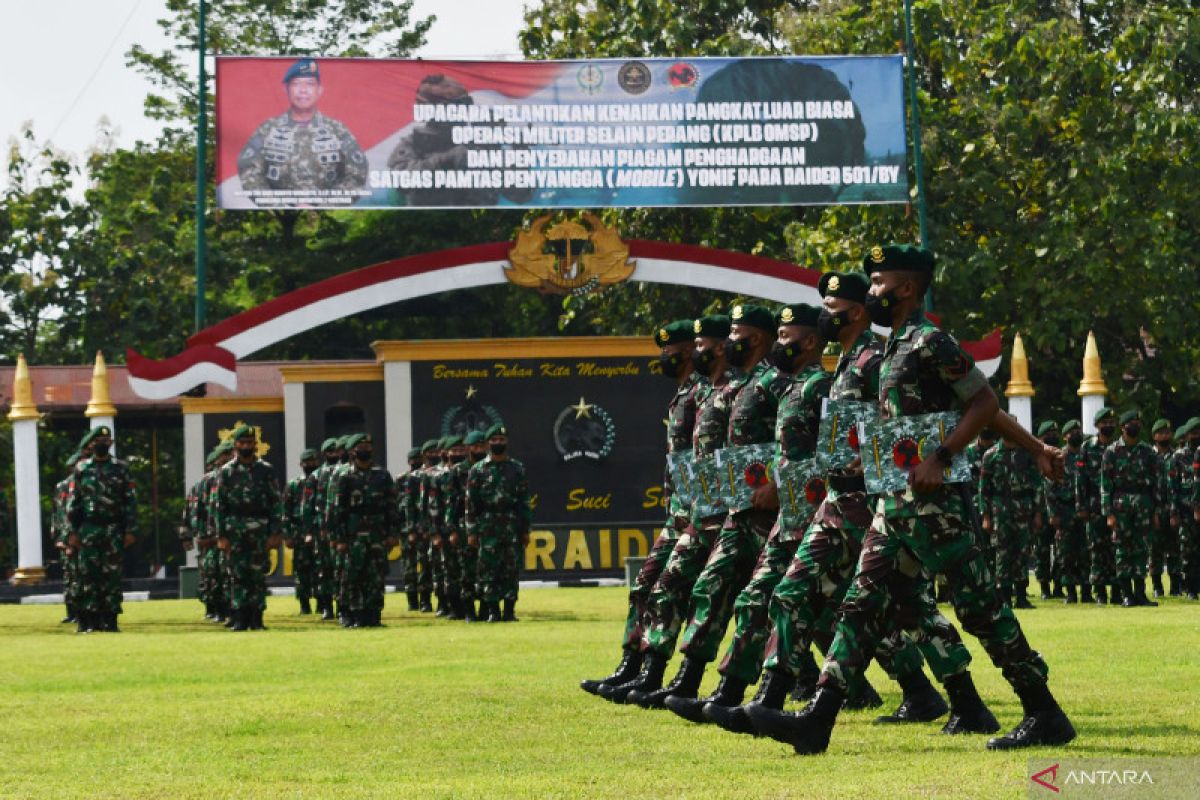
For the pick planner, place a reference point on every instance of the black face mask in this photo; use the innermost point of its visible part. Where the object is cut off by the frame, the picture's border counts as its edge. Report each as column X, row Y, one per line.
column 497, row 448
column 457, row 459
column 331, row 458
column 1133, row 429
column 737, row 351
column 671, row 365
column 1107, row 430
column 431, row 462
column 477, row 457
column 783, row 356
column 100, row 450
column 1053, row 441
column 1075, row 439
column 414, row 465
column 830, row 325
column 879, row 308
column 246, row 452
column 703, row 360
column 363, row 455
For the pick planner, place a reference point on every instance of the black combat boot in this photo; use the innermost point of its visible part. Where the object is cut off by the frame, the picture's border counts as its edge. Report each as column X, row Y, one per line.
column 1193, row 585
column 1156, row 582
column 209, row 612
column 1045, row 723
column 256, row 620
column 772, row 691
column 110, row 623
column 469, row 614
column 920, row 702
column 862, row 695
column 510, row 611
column 1022, row 600
column 1057, row 591
column 1085, row 593
column 1070, row 599
column 71, row 616
column 414, row 604
column 231, row 616
column 240, row 618
column 1047, row 590
column 345, row 617
column 1116, row 593
column 493, row 612
column 1176, row 584
column 83, row 622
column 327, row 613
column 649, row 679
column 968, row 712
column 806, row 683
column 220, row 612
column 729, row 693
column 456, row 606
column 685, row 684
column 1101, row 594
column 426, row 604
column 807, row 731
column 443, row 608
column 1138, row 585
column 627, row 670
column 305, row 607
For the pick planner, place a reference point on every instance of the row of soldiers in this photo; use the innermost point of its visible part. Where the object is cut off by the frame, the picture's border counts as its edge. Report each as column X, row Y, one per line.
column 856, row 579
column 459, row 523
column 1124, row 511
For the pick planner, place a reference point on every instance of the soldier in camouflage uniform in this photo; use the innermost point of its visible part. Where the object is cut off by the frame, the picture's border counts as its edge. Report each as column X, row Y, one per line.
column 448, row 498
column 498, row 517
column 194, row 532
column 1070, row 533
column 1046, row 555
column 60, row 534
column 246, row 515
column 476, row 444
column 670, row 600
column 363, row 526
column 924, row 370
column 1189, row 548
column 974, row 456
column 418, row 572
column 406, row 489
column 101, row 510
column 677, row 340
column 302, row 150
column 1102, row 571
column 1009, row 491
column 1164, row 547
column 1130, row 494
column 323, row 563
column 299, row 532
column 1187, row 579
column 430, row 481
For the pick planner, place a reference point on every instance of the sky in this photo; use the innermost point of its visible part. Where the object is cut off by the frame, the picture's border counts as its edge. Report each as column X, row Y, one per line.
column 62, row 62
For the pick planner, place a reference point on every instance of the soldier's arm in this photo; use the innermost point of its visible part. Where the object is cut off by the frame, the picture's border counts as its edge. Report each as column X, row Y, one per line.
column 1107, row 476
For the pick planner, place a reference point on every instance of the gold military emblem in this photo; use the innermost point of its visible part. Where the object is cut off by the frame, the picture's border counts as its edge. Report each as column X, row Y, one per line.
column 737, row 313
column 663, row 335
column 696, row 326
column 833, row 284
column 263, row 448
column 877, row 254
column 786, row 316
column 568, row 257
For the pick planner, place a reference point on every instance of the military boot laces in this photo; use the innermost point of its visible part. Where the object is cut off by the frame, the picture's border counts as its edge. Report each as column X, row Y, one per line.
column 649, row 679
column 920, row 702
column 729, row 693
column 1045, row 723
column 772, row 691
column 685, row 684
column 808, row 730
column 627, row 669
column 968, row 712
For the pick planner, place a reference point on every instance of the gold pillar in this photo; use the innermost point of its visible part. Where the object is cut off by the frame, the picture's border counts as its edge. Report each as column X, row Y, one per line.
column 1018, row 371
column 101, row 403
column 23, row 406
column 1093, row 376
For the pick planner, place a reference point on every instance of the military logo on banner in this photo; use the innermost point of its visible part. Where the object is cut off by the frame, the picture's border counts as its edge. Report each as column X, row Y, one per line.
column 584, row 430
column 894, row 447
column 841, row 427
column 569, row 257
column 470, row 415
column 262, row 449
column 801, row 489
column 743, row 470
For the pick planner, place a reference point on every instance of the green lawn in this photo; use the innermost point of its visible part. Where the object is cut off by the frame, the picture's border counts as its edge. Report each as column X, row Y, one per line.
column 174, row 707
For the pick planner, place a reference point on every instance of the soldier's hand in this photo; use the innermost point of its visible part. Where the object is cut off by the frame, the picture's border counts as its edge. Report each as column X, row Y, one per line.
column 412, row 538
column 473, row 540
column 1112, row 521
column 274, row 541
column 927, row 476
column 1083, row 515
column 765, row 498
column 60, row 545
column 73, row 539
column 1051, row 463
column 129, row 539
column 187, row 544
column 437, row 540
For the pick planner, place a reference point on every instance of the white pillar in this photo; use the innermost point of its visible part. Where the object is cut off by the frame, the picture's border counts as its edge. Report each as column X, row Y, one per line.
column 26, row 474
column 1022, row 409
column 397, row 402
column 1089, row 406
column 294, row 427
column 193, row 461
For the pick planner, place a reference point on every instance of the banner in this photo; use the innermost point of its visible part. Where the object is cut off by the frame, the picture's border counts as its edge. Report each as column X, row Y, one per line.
column 365, row 133
column 743, row 471
column 894, row 447
column 842, row 424
column 801, row 487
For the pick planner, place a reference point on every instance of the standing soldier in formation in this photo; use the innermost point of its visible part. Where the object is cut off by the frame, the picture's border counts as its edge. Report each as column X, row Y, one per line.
column 1046, row 557
column 60, row 534
column 1164, row 545
column 497, row 520
column 1101, row 569
column 246, row 515
column 439, row 508
column 677, row 342
column 1130, row 493
column 1009, row 490
column 363, row 527
column 298, row 533
column 344, row 618
column 407, row 488
column 1190, row 547
column 418, row 535
column 196, row 530
column 450, row 498
column 1187, row 579
column 1070, row 532
column 102, row 513
column 476, row 444
column 331, row 451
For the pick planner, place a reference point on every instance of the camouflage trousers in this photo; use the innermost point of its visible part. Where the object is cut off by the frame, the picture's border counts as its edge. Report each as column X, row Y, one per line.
column 414, row 557
column 70, row 565
column 323, row 567
column 212, row 576
column 1071, row 553
column 670, row 602
column 304, row 569
column 452, row 575
column 499, row 571
column 744, row 656
column 1046, row 557
column 339, row 579
column 99, row 569
column 1010, row 543
column 1101, row 570
column 365, row 565
column 247, row 567
column 437, row 565
column 1189, row 548
column 639, row 596
column 936, row 534
column 470, row 572
column 1132, row 537
column 725, row 574
column 1165, row 548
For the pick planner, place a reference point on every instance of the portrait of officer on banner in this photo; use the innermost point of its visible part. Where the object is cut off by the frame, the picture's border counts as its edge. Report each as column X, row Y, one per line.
column 302, row 157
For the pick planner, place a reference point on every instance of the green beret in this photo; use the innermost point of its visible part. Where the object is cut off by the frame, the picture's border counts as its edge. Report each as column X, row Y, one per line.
column 307, row 454
column 496, row 430
column 1070, row 425
column 1046, row 427
column 344, row 441
column 101, row 430
column 715, row 326
column 1160, row 424
column 798, row 314
column 74, row 458
column 241, row 431
column 1102, row 414
column 329, row 444
column 414, row 453
column 474, row 437
column 453, row 441
column 303, row 68
column 432, row 444
column 211, row 458
column 846, row 285
column 358, row 438
column 1130, row 416
column 1183, row 430
column 752, row 315
column 87, row 438
column 907, row 257
column 1193, row 422
column 674, row 333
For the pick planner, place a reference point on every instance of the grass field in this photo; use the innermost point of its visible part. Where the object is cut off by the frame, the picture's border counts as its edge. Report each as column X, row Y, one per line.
column 174, row 707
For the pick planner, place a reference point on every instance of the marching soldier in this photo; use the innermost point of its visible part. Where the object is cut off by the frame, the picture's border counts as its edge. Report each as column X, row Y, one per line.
column 363, row 527
column 497, row 521
column 298, row 533
column 1130, row 493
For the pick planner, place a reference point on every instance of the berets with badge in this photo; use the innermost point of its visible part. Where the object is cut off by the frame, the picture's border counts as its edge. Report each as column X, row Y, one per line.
column 845, row 285
column 329, row 444
column 307, row 454
column 754, row 316
column 1103, row 413
column 242, row 432
column 800, row 314
column 903, row 257
column 1160, row 424
column 714, row 326
column 1130, row 416
column 1070, row 425
column 432, row 444
column 356, row 439
column 496, row 430
column 1046, row 427
column 1183, row 430
column 676, row 332
column 475, row 437
column 302, row 68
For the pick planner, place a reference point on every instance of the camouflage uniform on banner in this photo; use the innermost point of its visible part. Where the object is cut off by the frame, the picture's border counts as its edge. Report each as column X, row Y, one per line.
column 246, row 515
column 498, row 516
column 101, row 510
column 363, row 524
column 299, row 532
column 323, row 566
column 411, row 552
column 1009, row 489
column 1130, row 494
column 1102, row 569
column 1070, row 532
